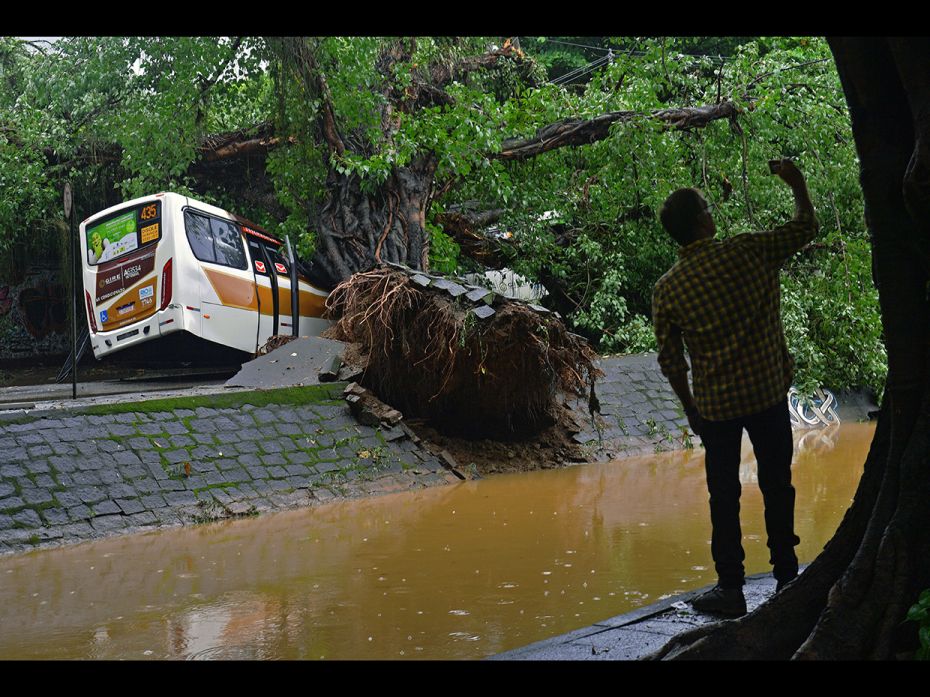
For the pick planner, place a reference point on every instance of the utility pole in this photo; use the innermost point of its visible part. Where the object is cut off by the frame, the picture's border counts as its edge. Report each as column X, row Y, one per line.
column 72, row 238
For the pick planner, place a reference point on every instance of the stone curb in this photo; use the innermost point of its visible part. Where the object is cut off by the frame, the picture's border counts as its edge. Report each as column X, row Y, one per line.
column 634, row 634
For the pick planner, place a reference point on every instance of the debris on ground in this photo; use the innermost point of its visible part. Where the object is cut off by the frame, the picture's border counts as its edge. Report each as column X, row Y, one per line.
column 368, row 409
column 276, row 341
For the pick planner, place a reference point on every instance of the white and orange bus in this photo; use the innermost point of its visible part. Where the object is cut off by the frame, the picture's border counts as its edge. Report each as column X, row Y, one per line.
column 168, row 263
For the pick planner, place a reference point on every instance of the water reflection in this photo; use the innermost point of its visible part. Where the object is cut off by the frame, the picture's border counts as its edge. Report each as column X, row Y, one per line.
column 460, row 571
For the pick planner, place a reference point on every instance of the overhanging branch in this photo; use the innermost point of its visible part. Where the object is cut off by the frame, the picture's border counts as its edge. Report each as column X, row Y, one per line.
column 574, row 132
column 303, row 61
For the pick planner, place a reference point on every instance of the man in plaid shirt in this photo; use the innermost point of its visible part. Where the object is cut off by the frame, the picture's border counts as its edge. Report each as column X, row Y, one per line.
column 722, row 298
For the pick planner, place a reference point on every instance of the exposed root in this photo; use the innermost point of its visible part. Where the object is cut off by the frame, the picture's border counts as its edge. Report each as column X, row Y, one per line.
column 689, row 640
column 430, row 356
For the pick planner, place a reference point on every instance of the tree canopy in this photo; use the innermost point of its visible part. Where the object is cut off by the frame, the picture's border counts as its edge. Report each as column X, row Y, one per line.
column 313, row 137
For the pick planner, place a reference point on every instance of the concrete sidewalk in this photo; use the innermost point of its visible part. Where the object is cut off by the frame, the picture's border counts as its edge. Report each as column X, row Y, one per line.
column 635, row 634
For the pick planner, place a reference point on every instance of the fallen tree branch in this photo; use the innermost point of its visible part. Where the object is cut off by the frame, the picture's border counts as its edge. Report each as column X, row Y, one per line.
column 426, row 88
column 573, row 132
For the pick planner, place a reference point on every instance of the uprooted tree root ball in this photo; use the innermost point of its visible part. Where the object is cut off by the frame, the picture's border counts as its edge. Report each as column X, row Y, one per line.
column 432, row 357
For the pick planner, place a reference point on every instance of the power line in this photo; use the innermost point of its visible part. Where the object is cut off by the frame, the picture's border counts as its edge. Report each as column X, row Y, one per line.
column 634, row 52
column 569, row 43
column 584, row 70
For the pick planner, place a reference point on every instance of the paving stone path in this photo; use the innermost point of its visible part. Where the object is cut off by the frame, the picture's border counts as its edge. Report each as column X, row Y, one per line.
column 639, row 412
column 72, row 478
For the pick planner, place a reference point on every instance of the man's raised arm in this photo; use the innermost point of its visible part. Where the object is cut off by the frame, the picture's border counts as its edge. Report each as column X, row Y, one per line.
column 779, row 244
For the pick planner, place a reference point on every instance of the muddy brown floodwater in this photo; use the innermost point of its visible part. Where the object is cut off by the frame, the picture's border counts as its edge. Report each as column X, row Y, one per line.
column 463, row 571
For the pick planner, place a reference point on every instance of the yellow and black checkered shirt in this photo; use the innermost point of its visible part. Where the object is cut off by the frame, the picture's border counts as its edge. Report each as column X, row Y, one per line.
column 723, row 298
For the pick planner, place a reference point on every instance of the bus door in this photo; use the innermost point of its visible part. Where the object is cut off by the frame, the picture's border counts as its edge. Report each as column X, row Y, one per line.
column 267, row 288
column 282, row 270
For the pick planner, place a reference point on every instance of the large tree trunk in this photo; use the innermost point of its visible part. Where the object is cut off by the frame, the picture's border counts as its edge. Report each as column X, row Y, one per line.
column 851, row 602
column 356, row 229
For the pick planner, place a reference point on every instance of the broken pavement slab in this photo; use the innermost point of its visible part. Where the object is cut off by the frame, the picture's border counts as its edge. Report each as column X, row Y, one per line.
column 294, row 364
column 369, row 410
column 477, row 294
column 330, row 371
column 445, row 457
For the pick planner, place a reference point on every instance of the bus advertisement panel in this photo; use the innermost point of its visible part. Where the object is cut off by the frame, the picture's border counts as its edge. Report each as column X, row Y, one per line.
column 123, row 233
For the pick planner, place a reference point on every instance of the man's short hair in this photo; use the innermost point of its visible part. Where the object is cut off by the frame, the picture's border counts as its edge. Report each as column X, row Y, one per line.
column 679, row 214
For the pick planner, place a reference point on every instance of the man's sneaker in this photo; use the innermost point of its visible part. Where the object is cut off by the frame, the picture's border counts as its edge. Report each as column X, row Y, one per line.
column 727, row 602
column 782, row 584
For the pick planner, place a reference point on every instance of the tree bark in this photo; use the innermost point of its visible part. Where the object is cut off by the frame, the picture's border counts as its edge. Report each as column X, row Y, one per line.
column 872, row 596
column 356, row 229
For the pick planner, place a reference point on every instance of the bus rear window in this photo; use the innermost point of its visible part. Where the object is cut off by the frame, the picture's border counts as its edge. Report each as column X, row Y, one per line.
column 123, row 232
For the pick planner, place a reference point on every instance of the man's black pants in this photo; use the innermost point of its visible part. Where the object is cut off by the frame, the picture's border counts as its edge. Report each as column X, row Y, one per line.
column 770, row 433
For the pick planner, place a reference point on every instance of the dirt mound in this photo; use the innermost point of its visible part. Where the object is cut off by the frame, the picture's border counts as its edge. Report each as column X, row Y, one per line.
column 550, row 448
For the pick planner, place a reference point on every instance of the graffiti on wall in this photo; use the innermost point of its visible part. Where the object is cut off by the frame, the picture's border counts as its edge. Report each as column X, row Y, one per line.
column 34, row 316
column 44, row 309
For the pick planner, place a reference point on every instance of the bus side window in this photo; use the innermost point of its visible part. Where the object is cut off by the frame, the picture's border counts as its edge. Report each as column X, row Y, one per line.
column 228, row 244
column 198, row 234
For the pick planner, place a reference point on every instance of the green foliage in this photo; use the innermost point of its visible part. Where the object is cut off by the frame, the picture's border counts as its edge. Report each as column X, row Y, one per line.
column 443, row 251
column 26, row 192
column 121, row 117
column 114, row 113
column 920, row 613
column 310, row 394
column 607, row 194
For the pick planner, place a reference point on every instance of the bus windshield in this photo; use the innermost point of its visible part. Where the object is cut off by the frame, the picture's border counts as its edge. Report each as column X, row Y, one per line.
column 123, row 232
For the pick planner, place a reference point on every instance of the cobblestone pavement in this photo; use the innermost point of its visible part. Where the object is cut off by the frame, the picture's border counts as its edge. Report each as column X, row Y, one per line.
column 639, row 412
column 70, row 478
